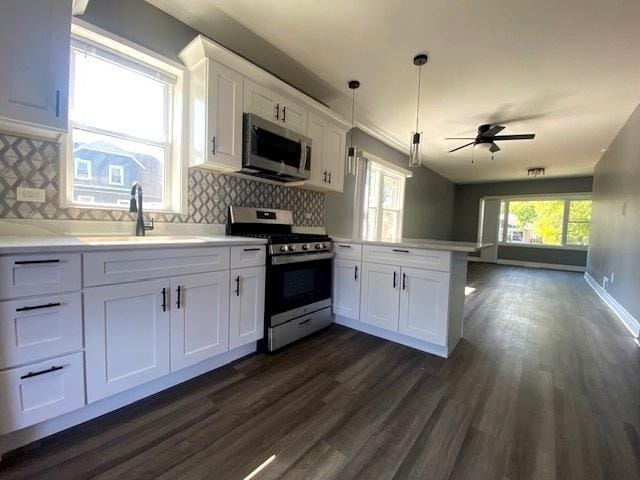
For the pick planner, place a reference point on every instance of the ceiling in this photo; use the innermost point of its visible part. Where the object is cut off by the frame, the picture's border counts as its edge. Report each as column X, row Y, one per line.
column 569, row 71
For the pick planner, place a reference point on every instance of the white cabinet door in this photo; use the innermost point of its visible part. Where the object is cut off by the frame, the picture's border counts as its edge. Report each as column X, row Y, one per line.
column 34, row 54
column 334, row 157
column 199, row 318
column 424, row 301
column 317, row 132
column 261, row 101
column 225, row 117
column 126, row 336
column 294, row 116
column 346, row 288
column 379, row 303
column 246, row 321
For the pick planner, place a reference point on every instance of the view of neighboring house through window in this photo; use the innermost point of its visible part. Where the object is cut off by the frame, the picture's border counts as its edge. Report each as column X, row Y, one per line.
column 384, row 202
column 120, row 128
column 553, row 221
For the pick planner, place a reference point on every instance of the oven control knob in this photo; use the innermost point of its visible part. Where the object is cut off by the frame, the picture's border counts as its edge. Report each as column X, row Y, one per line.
column 318, row 246
column 324, row 245
column 292, row 248
column 284, row 248
column 305, row 246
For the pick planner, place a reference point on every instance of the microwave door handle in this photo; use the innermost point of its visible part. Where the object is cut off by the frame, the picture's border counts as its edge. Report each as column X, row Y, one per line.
column 303, row 158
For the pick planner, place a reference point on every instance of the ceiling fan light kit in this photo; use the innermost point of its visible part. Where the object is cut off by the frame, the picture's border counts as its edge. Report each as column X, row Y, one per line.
column 415, row 154
column 352, row 153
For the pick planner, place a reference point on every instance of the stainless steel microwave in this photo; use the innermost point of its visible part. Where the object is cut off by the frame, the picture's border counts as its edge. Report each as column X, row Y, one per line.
column 274, row 152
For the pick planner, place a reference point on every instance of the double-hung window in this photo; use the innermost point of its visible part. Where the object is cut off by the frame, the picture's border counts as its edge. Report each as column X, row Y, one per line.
column 383, row 203
column 556, row 221
column 123, row 127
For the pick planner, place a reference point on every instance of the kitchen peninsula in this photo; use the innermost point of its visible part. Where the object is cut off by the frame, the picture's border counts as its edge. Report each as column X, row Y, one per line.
column 410, row 292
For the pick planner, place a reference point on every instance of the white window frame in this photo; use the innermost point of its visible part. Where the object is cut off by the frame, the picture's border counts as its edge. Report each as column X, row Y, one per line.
column 113, row 168
column 566, row 198
column 386, row 169
column 77, row 162
column 176, row 171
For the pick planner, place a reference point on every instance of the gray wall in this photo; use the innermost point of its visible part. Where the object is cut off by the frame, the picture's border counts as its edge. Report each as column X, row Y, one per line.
column 615, row 226
column 428, row 205
column 467, row 206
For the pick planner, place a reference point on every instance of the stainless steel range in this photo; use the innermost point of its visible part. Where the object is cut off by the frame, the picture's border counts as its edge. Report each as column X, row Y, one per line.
column 298, row 283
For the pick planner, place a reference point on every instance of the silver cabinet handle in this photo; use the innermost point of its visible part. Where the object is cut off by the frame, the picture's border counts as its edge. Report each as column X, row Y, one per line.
column 399, row 250
column 42, row 372
column 395, row 279
column 355, row 273
column 213, row 145
column 38, row 307
column 277, row 111
column 284, row 114
column 238, row 286
column 329, row 178
column 57, row 103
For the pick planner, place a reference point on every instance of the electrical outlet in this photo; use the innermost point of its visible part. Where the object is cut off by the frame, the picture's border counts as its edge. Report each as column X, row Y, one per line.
column 307, row 215
column 605, row 282
column 36, row 195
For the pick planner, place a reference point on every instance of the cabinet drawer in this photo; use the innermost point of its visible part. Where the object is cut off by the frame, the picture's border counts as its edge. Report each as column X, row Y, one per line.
column 39, row 327
column 248, row 256
column 408, row 257
column 105, row 268
column 32, row 394
column 348, row 251
column 24, row 275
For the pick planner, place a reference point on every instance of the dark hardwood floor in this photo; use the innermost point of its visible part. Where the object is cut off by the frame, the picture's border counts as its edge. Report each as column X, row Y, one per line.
column 545, row 384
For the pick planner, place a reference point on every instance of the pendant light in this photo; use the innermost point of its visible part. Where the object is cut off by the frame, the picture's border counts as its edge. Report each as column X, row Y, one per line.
column 352, row 151
column 415, row 159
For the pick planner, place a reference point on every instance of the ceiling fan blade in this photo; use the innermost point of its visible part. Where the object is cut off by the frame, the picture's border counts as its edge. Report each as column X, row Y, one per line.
column 460, row 138
column 526, row 136
column 470, row 143
column 494, row 148
column 494, row 130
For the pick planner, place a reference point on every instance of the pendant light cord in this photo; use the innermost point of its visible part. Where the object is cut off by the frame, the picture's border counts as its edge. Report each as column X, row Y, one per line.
column 353, row 110
column 418, row 107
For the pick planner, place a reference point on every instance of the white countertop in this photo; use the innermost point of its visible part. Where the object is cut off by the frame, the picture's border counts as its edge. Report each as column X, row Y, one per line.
column 422, row 243
column 10, row 244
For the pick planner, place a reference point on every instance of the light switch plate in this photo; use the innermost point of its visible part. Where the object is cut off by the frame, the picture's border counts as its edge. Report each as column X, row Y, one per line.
column 36, row 195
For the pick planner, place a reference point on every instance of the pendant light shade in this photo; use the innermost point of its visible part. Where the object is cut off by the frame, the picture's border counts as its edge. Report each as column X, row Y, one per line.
column 415, row 154
column 352, row 153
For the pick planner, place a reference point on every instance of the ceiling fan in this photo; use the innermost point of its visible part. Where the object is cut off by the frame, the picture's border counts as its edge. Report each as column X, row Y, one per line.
column 488, row 135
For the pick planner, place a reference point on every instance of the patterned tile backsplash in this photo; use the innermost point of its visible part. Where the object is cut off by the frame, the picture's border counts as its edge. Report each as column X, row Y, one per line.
column 26, row 162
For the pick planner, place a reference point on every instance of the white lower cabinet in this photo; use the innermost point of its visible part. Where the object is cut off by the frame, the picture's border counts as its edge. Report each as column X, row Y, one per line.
column 346, row 288
column 379, row 305
column 38, row 392
column 424, row 299
column 199, row 318
column 126, row 336
column 246, row 319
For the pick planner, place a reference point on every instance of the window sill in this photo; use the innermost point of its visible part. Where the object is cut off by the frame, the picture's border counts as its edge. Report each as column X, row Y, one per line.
column 551, row 247
column 117, row 209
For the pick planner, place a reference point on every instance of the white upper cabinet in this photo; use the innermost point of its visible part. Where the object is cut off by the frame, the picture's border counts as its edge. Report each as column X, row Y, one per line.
column 261, row 101
column 34, row 54
column 199, row 318
column 246, row 321
column 274, row 107
column 424, row 305
column 215, row 117
column 327, row 153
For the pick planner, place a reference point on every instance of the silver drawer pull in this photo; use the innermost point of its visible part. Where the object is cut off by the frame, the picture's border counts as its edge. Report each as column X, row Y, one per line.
column 304, row 322
column 399, row 250
column 42, row 372
column 35, row 262
column 37, row 307
column 251, row 249
column 344, row 246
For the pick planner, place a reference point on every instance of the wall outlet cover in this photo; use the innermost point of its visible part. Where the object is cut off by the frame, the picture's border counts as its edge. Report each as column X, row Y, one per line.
column 36, row 195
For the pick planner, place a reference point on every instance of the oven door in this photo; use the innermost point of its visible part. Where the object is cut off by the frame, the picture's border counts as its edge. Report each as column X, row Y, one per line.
column 271, row 148
column 297, row 285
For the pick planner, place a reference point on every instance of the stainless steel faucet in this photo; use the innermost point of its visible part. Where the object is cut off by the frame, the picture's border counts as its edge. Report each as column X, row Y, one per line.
column 135, row 205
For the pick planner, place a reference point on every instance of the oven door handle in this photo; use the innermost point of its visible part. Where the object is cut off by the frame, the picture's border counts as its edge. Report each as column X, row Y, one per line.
column 303, row 158
column 302, row 257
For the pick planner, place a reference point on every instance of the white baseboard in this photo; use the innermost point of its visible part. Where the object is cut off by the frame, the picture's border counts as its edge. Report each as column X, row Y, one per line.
column 550, row 266
column 474, row 259
column 393, row 336
column 628, row 320
column 19, row 438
